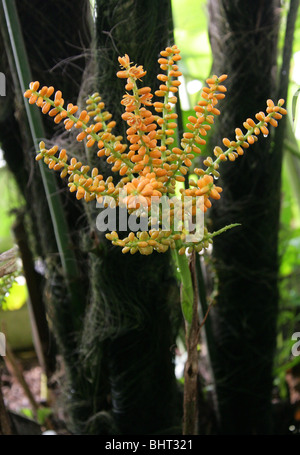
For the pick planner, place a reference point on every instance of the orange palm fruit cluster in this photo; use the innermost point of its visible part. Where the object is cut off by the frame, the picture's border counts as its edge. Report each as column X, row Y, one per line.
column 149, row 164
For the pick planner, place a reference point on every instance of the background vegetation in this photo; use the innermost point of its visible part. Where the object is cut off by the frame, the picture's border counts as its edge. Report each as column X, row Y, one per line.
column 119, row 352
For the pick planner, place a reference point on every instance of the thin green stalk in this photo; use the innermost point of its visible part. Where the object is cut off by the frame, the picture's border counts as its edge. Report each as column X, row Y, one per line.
column 292, row 160
column 189, row 305
column 187, row 293
column 189, row 296
column 60, row 226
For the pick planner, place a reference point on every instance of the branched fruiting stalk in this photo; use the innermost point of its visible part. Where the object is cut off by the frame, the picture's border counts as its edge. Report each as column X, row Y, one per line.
column 148, row 164
column 99, row 132
column 85, row 185
column 235, row 148
column 160, row 241
column 150, row 167
column 169, row 86
column 199, row 125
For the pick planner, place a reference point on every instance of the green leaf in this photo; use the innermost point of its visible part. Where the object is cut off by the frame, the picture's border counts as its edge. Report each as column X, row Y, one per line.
column 286, row 366
column 186, row 291
column 17, row 297
column 42, row 414
column 294, row 103
column 27, row 413
column 187, row 302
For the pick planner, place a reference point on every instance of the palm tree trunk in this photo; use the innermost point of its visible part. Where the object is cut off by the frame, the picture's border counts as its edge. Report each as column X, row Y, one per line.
column 244, row 43
column 132, row 293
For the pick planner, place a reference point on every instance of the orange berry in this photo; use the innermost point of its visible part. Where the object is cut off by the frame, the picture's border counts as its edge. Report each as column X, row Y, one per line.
column 273, row 122
column 251, row 122
column 196, row 149
column 58, row 95
column 179, row 178
column 160, row 93
column 81, row 136
column 50, row 91
column 28, row 94
column 215, row 111
column 33, row 99
column 214, row 194
column 187, row 162
column 226, row 142
column 58, row 118
column 68, row 124
column 283, row 111
column 78, row 124
column 264, row 130
column 199, row 140
column 188, row 135
column 177, row 151
column 90, row 142
column 247, row 126
column 260, row 116
column 222, row 78
column 43, row 91
column 80, row 192
column 97, row 127
column 40, row 101
column 53, row 112
column 34, row 85
column 46, row 107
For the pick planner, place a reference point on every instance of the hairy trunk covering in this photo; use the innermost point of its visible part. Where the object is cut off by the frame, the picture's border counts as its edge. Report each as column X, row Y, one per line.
column 244, row 41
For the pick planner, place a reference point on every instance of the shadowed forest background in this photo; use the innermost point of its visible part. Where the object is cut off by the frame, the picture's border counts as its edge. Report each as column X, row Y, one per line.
column 109, row 338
